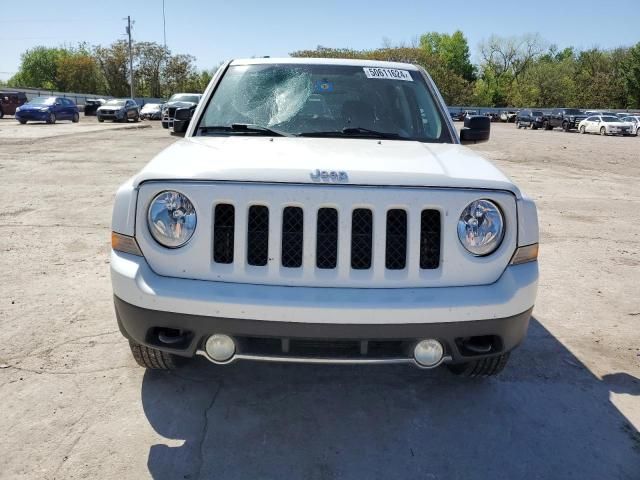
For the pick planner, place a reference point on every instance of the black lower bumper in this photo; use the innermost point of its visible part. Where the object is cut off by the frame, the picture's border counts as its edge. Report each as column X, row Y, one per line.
column 184, row 334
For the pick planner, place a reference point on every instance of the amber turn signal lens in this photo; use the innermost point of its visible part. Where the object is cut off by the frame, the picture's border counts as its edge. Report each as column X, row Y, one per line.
column 528, row 253
column 125, row 243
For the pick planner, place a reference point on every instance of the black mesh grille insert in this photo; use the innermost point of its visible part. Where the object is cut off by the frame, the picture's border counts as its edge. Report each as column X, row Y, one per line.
column 258, row 235
column 327, row 238
column 223, row 233
column 292, row 233
column 396, row 251
column 361, row 237
column 429, row 239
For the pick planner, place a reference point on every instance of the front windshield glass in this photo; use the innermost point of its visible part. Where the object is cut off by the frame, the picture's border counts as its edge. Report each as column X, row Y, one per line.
column 326, row 100
column 573, row 112
column 115, row 103
column 537, row 114
column 183, row 97
column 42, row 101
column 151, row 106
column 611, row 119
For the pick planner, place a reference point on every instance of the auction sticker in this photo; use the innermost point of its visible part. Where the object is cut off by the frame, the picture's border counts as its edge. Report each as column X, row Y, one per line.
column 387, row 73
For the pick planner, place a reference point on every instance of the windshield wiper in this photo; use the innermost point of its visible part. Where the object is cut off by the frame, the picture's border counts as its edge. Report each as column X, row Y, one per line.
column 356, row 131
column 243, row 127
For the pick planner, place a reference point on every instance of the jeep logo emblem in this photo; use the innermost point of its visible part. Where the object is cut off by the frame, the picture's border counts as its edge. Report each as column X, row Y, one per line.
column 330, row 176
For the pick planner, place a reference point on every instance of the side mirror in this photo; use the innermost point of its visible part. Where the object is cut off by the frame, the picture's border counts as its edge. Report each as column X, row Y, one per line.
column 181, row 119
column 476, row 129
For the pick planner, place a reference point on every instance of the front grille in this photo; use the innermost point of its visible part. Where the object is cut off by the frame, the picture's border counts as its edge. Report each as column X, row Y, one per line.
column 327, row 238
column 292, row 236
column 396, row 251
column 359, row 241
column 361, row 238
column 171, row 111
column 223, row 233
column 258, row 235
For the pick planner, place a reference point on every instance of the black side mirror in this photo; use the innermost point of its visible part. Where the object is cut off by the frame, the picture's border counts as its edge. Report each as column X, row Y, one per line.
column 476, row 129
column 181, row 119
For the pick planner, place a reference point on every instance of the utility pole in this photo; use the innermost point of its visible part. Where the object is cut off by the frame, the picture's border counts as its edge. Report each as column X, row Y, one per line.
column 130, row 55
column 164, row 26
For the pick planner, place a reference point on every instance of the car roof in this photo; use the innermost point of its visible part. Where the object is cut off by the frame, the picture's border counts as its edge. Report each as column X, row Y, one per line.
column 324, row 61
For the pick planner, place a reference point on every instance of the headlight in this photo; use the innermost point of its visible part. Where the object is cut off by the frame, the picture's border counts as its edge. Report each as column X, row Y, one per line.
column 481, row 227
column 171, row 219
column 45, row 109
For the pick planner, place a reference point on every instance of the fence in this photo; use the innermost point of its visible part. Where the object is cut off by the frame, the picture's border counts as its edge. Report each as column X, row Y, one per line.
column 78, row 98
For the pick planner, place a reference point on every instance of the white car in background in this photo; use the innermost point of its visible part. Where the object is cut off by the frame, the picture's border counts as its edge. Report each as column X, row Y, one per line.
column 635, row 121
column 605, row 125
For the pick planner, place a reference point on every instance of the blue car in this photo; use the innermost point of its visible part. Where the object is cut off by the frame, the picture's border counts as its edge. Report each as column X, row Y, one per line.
column 48, row 109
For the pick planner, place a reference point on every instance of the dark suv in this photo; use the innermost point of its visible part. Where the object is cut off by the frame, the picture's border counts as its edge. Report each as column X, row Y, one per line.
column 530, row 118
column 566, row 118
column 9, row 101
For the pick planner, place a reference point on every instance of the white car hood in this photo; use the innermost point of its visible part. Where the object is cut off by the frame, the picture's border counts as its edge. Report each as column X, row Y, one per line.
column 291, row 160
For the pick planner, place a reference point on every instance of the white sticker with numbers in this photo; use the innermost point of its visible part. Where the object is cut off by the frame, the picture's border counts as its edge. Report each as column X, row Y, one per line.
column 387, row 73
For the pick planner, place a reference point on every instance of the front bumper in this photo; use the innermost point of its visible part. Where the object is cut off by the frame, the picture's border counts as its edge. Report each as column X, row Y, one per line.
column 147, row 304
column 32, row 115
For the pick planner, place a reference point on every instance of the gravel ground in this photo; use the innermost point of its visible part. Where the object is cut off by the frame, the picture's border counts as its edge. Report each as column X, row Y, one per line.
column 74, row 404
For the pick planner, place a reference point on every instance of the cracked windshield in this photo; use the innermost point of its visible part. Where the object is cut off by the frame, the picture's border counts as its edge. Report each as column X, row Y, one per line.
column 324, row 101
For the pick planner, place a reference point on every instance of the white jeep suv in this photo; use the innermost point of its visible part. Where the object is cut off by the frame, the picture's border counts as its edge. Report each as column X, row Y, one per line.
column 324, row 211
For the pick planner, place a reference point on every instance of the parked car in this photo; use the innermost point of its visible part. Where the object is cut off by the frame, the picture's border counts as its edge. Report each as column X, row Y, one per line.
column 119, row 110
column 530, row 118
column 469, row 113
column 91, row 106
column 605, row 125
column 566, row 118
column 508, row 116
column 10, row 101
column 635, row 121
column 249, row 238
column 48, row 109
column 178, row 100
column 495, row 117
column 151, row 111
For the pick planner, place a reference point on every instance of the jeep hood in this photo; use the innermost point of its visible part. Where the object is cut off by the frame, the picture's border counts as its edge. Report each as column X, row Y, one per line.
column 292, row 160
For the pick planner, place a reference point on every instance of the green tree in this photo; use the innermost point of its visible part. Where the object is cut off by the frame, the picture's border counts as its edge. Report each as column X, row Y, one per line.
column 38, row 68
column 632, row 75
column 453, row 50
column 77, row 71
column 114, row 66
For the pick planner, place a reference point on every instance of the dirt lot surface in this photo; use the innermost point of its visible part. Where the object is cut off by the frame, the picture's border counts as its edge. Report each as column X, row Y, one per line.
column 75, row 405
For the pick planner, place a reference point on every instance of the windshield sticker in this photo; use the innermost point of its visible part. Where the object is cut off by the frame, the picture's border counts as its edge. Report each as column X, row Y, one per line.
column 387, row 73
column 322, row 86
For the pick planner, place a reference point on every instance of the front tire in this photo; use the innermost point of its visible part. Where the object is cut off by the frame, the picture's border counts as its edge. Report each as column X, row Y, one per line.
column 76, row 118
column 603, row 131
column 565, row 126
column 153, row 359
column 582, row 129
column 485, row 367
column 547, row 126
column 100, row 119
column 52, row 118
column 22, row 122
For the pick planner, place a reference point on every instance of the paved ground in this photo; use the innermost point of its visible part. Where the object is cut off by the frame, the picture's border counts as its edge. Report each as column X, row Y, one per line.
column 74, row 405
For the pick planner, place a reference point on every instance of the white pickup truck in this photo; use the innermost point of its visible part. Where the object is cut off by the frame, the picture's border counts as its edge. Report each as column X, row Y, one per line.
column 324, row 211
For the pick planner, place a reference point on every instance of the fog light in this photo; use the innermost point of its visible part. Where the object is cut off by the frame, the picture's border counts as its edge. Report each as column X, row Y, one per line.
column 220, row 347
column 428, row 352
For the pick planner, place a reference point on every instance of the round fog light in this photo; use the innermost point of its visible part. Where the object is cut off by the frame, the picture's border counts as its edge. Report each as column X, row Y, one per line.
column 428, row 352
column 220, row 347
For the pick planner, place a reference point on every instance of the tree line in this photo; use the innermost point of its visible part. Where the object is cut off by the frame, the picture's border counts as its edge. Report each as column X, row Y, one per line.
column 512, row 71
column 515, row 71
column 104, row 70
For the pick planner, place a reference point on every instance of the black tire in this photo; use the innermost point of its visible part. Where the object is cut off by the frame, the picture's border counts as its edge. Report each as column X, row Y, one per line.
column 136, row 119
column 582, row 129
column 100, row 119
column 154, row 359
column 52, row 118
column 534, row 127
column 76, row 118
column 485, row 367
column 565, row 126
column 603, row 131
column 547, row 126
column 22, row 122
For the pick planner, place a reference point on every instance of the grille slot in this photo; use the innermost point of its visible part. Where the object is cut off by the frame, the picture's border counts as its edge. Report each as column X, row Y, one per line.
column 223, row 233
column 429, row 239
column 327, row 238
column 258, row 235
column 292, row 235
column 396, row 245
column 361, row 238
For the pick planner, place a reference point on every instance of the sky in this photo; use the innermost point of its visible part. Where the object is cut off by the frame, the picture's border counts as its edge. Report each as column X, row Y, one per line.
column 214, row 31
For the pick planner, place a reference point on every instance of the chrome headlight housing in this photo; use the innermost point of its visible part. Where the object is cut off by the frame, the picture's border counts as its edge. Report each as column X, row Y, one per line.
column 481, row 227
column 172, row 219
